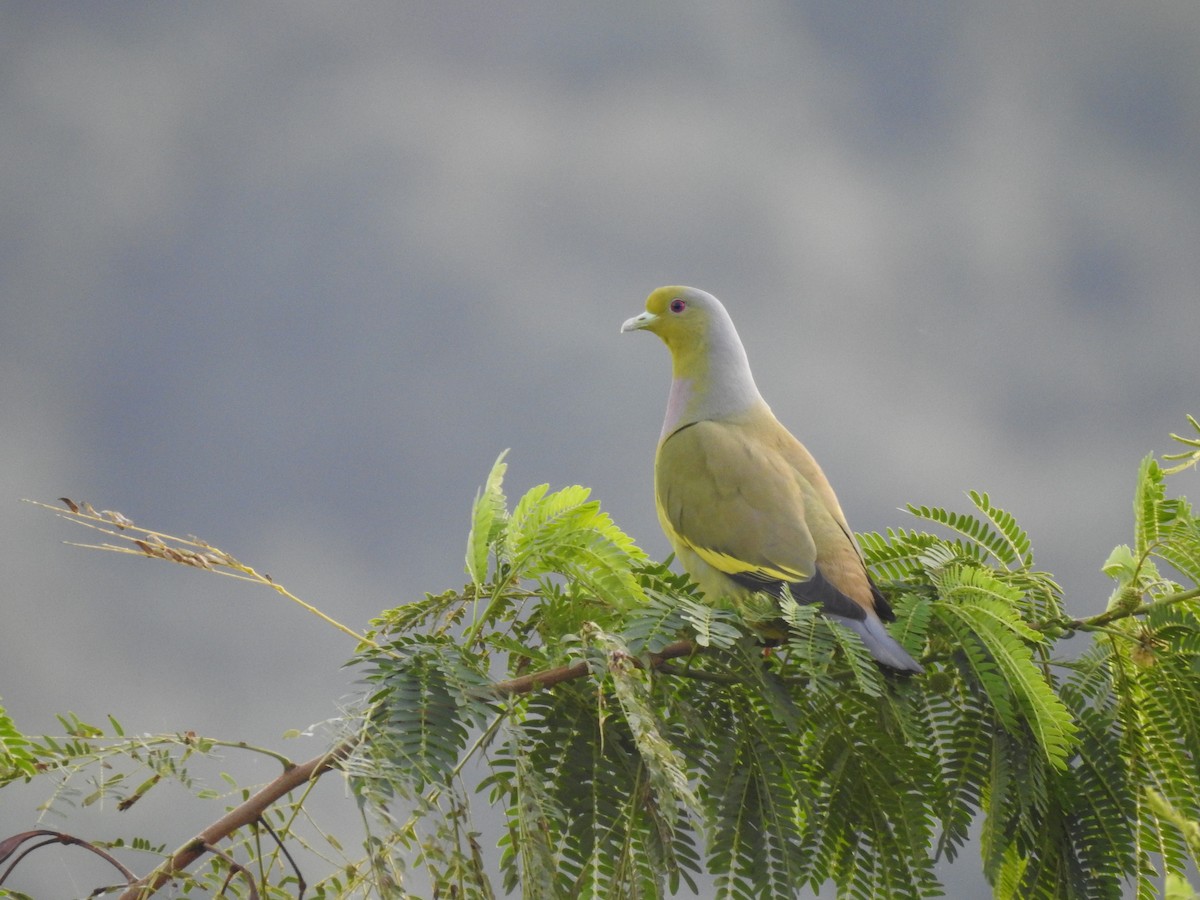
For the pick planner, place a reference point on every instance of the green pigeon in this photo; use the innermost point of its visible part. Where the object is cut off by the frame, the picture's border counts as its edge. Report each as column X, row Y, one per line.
column 743, row 503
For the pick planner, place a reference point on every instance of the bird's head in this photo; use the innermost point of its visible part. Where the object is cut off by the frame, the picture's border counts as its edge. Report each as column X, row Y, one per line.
column 681, row 316
column 710, row 375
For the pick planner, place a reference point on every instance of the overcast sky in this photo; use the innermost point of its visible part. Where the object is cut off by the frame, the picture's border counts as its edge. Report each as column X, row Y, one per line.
column 290, row 276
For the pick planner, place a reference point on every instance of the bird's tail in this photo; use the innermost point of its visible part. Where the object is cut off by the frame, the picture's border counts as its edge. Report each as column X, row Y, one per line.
column 885, row 648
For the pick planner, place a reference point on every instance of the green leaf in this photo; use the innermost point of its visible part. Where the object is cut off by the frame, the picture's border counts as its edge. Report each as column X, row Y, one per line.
column 712, row 627
column 963, row 727
column 1006, row 526
column 532, row 837
column 667, row 771
column 1008, row 546
column 1190, row 456
column 783, row 772
column 1148, row 509
column 897, row 555
column 652, row 626
column 565, row 533
column 17, row 758
column 913, row 616
column 1178, row 888
column 427, row 695
column 1180, row 544
column 487, row 519
column 751, row 790
column 978, row 610
column 1121, row 565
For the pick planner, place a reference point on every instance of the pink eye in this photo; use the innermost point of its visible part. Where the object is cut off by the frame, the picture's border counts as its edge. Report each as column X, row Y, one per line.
column 678, row 305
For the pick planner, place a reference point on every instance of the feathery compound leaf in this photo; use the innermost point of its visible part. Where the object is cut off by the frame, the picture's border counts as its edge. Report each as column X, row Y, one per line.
column 1166, row 528
column 963, row 726
column 1180, row 543
column 1162, row 694
column 713, row 627
column 1017, row 797
column 755, row 778
column 624, row 775
column 1006, row 526
column 1008, row 880
column 536, row 509
column 1148, row 511
column 1190, row 456
column 16, row 758
column 487, row 518
column 913, row 615
column 895, row 556
column 531, row 841
column 998, row 544
column 433, row 611
column 425, row 701
column 609, row 836
column 652, row 626
column 970, row 585
column 564, row 533
column 814, row 647
column 827, row 649
column 978, row 611
column 1096, row 797
column 870, row 827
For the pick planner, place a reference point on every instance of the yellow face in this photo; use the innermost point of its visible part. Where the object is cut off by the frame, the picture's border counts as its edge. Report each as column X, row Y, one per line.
column 677, row 314
column 669, row 299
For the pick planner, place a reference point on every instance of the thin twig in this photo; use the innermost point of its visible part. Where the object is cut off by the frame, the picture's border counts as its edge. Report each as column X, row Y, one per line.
column 190, row 551
column 235, row 868
column 301, row 885
column 10, row 845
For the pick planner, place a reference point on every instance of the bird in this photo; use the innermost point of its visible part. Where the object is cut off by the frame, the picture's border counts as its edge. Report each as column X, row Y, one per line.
column 743, row 503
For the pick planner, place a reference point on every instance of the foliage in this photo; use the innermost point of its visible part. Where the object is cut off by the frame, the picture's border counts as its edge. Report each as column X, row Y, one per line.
column 811, row 764
column 16, row 757
column 643, row 744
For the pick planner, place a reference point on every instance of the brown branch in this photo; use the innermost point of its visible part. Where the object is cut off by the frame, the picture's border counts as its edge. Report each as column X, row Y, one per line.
column 239, row 817
column 251, row 811
column 11, row 845
column 550, row 677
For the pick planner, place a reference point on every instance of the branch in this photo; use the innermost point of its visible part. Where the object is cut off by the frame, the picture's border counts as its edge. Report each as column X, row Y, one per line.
column 550, row 677
column 238, row 817
column 235, row 868
column 1098, row 621
column 11, row 845
column 252, row 810
column 700, row 674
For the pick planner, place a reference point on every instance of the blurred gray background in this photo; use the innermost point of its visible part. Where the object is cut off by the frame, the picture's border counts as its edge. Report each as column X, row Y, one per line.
column 290, row 276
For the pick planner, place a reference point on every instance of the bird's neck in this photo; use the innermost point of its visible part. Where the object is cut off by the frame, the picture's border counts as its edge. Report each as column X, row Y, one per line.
column 713, row 384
